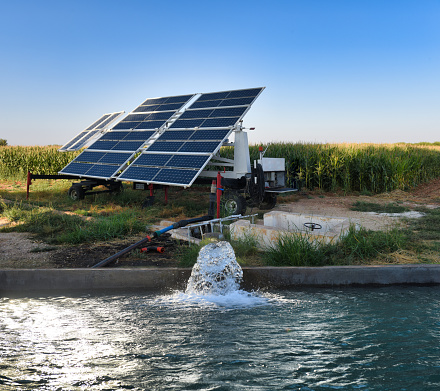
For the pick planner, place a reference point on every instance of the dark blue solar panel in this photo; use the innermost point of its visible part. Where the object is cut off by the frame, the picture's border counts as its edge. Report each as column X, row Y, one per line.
column 218, row 134
column 152, row 160
column 208, row 146
column 139, row 173
column 205, row 103
column 219, row 122
column 165, row 146
column 77, row 138
column 127, row 145
column 139, row 135
column 229, row 112
column 169, row 175
column 236, row 102
column 76, row 168
column 213, row 95
column 101, row 170
column 186, row 123
column 107, row 121
column 104, row 145
column 188, row 161
column 160, row 115
column 243, row 93
column 135, row 117
column 179, row 99
column 115, row 157
column 176, row 135
column 84, row 140
column 126, row 125
column 189, row 114
column 96, row 123
column 90, row 157
column 143, row 109
column 150, row 124
column 114, row 135
column 169, row 106
column 154, row 101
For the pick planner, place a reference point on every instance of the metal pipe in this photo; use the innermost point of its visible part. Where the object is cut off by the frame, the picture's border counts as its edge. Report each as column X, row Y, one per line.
column 219, row 192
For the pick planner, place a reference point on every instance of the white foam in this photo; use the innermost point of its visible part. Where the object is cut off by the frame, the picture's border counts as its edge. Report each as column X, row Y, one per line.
column 215, row 282
column 236, row 299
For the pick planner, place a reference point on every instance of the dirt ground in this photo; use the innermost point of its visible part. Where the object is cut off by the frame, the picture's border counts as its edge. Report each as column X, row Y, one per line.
column 19, row 250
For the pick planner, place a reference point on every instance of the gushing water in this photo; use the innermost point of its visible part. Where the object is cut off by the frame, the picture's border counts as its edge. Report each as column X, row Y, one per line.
column 215, row 282
column 216, row 271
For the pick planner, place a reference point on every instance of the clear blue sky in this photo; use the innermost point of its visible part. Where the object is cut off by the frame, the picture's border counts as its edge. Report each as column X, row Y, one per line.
column 334, row 70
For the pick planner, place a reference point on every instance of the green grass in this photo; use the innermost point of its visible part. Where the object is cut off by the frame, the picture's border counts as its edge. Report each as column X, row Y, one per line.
column 363, row 206
column 357, row 247
column 56, row 219
column 295, row 250
column 58, row 228
column 361, row 245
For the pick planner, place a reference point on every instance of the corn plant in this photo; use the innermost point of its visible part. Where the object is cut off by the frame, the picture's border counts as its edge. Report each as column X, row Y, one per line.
column 354, row 167
column 16, row 161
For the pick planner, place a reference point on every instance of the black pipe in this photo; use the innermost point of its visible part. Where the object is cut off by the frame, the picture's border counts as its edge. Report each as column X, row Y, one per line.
column 179, row 224
column 122, row 252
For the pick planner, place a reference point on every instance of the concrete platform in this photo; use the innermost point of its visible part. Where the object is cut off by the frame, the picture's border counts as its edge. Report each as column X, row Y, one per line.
column 277, row 223
column 160, row 279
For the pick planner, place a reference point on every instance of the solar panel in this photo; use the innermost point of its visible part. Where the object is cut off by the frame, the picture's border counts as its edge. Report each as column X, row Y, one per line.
column 103, row 157
column 165, row 168
column 211, row 134
column 103, row 171
column 166, row 146
column 171, row 175
column 200, row 146
column 164, row 104
column 175, row 145
column 119, row 145
column 86, row 135
column 187, row 161
column 138, row 174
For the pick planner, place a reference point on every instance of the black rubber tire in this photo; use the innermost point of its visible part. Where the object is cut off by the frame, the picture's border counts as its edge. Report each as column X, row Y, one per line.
column 118, row 188
column 233, row 204
column 76, row 193
column 269, row 201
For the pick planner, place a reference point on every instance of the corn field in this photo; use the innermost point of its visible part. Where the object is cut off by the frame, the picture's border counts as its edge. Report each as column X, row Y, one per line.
column 354, row 167
column 328, row 167
column 15, row 162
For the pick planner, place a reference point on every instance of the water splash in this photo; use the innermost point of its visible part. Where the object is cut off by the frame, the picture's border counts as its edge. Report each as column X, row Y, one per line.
column 216, row 271
column 215, row 282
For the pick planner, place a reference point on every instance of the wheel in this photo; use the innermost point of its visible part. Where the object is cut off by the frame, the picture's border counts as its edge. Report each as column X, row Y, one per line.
column 269, row 201
column 76, row 193
column 117, row 188
column 233, row 204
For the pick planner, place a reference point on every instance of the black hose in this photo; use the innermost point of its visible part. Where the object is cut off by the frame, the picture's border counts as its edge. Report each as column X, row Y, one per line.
column 179, row 224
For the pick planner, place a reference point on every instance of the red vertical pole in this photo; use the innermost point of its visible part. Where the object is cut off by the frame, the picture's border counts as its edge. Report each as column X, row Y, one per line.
column 219, row 193
column 29, row 181
column 166, row 195
column 151, row 190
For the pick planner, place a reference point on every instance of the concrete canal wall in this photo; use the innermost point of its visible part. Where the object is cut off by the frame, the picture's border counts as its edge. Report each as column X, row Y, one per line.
column 160, row 279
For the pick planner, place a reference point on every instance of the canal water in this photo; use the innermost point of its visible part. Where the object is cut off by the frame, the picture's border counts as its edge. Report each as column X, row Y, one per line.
column 308, row 339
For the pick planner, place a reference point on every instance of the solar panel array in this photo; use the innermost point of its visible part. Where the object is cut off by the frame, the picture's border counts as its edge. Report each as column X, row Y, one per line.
column 181, row 152
column 180, row 144
column 82, row 138
column 126, row 136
